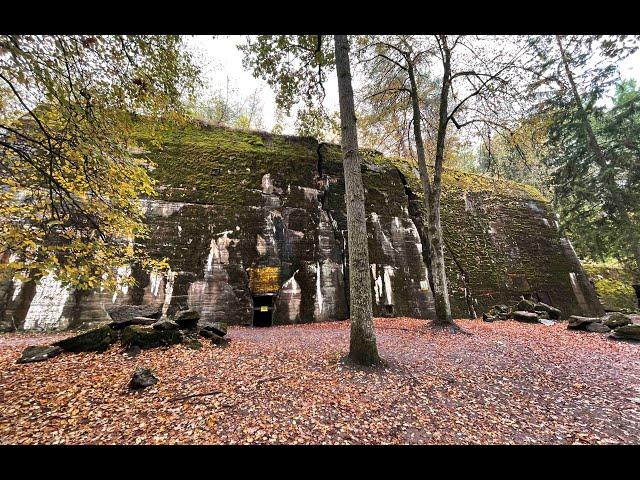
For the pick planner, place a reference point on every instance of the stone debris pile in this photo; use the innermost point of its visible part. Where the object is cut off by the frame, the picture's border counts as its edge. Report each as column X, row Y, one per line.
column 136, row 328
column 618, row 325
column 525, row 311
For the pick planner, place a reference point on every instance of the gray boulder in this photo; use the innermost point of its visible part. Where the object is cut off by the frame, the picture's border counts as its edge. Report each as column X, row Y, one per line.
column 142, row 378
column 126, row 313
column 119, row 325
column 96, row 340
column 597, row 328
column 627, row 332
column 145, row 337
column 39, row 353
column 165, row 324
column 525, row 305
column 522, row 316
column 553, row 312
column 215, row 338
column 547, row 322
column 580, row 323
column 219, row 328
column 497, row 312
column 187, row 319
column 614, row 320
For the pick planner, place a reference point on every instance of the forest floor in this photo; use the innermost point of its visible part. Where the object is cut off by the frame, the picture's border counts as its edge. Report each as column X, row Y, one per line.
column 508, row 382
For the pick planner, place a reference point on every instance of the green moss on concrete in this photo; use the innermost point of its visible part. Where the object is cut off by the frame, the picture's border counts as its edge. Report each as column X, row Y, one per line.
column 198, row 163
column 497, row 232
column 613, row 284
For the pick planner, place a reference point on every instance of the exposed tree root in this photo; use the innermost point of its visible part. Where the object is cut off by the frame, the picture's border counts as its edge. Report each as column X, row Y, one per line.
column 449, row 327
column 378, row 363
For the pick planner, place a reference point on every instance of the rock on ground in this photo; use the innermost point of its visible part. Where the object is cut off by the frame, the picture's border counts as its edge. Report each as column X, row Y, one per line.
column 96, row 340
column 553, row 312
column 627, row 332
column 215, row 338
column 165, row 324
column 145, row 337
column 187, row 319
column 39, row 353
column 120, row 324
column 577, row 322
column 615, row 320
column 142, row 378
column 219, row 328
column 497, row 312
column 522, row 316
column 597, row 327
column 525, row 305
column 124, row 313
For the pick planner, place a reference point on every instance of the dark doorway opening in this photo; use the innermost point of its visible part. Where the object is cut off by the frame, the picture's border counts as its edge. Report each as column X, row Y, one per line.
column 262, row 310
column 637, row 289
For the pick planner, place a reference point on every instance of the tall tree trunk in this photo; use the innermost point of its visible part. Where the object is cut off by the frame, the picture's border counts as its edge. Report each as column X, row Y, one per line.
column 593, row 142
column 362, row 348
column 597, row 151
column 434, row 229
column 443, row 318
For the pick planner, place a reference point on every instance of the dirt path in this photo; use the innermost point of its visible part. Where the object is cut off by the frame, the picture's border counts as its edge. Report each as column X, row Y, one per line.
column 507, row 383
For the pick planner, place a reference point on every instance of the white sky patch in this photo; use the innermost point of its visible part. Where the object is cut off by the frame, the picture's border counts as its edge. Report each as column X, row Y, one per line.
column 220, row 59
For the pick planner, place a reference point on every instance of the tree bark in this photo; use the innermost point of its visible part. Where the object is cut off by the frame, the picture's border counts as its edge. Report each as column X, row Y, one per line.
column 593, row 142
column 441, row 296
column 362, row 349
column 432, row 201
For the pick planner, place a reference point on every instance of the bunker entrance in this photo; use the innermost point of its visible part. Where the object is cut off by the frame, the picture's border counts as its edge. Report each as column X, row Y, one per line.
column 262, row 310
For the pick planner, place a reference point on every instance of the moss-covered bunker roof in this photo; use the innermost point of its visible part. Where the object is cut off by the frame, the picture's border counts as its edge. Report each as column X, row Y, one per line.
column 203, row 163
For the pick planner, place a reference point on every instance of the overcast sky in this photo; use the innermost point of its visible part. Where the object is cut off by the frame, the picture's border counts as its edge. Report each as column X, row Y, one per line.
column 221, row 59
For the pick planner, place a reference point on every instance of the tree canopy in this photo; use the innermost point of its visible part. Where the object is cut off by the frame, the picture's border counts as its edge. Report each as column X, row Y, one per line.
column 70, row 166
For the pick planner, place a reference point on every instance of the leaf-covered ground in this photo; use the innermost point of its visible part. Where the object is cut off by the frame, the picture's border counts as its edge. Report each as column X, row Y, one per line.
column 507, row 383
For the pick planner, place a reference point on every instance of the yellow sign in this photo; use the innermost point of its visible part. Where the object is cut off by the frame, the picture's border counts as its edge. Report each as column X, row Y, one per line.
column 264, row 280
column 264, row 309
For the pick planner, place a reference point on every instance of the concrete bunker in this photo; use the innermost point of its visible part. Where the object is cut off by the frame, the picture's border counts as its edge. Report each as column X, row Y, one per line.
column 273, row 224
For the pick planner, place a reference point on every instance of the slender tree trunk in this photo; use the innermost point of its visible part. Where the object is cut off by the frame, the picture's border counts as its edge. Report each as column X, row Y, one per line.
column 362, row 348
column 593, row 142
column 444, row 317
column 434, row 229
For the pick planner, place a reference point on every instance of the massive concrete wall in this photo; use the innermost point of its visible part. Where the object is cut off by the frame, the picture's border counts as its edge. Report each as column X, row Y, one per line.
column 241, row 214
